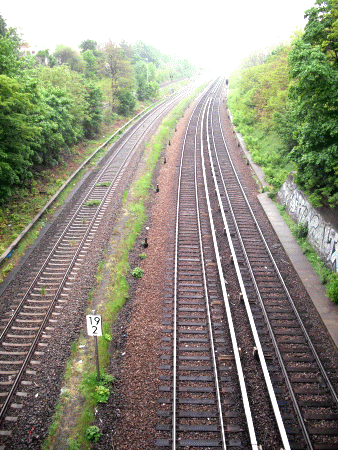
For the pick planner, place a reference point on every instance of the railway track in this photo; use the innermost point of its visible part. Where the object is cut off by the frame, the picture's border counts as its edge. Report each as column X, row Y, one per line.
column 212, row 355
column 30, row 313
column 309, row 388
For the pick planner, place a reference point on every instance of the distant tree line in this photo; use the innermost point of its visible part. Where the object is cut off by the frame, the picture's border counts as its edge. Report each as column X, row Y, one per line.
column 291, row 92
column 51, row 101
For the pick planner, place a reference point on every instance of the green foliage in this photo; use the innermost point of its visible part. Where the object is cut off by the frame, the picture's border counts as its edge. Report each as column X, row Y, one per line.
column 301, row 116
column 137, row 272
column 90, row 64
column 91, row 203
column 332, row 289
column 88, row 44
column 313, row 94
column 101, row 394
column 99, row 391
column 67, row 55
column 147, row 87
column 127, row 101
column 93, row 433
column 44, row 58
column 18, row 108
column 9, row 56
column 302, row 230
column 93, row 118
column 50, row 102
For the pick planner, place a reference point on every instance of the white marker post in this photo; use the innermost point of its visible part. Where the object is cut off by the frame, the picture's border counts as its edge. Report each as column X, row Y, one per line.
column 94, row 328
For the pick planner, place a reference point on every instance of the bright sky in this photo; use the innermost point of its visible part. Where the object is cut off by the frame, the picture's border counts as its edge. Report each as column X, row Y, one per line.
column 216, row 34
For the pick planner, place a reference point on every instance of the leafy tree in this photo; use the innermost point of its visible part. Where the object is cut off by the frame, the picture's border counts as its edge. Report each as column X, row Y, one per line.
column 322, row 28
column 18, row 107
column 44, row 58
column 127, row 101
column 314, row 97
column 74, row 86
column 3, row 26
column 88, row 44
column 66, row 55
column 58, row 132
column 9, row 57
column 90, row 70
column 147, row 87
column 93, row 118
column 117, row 68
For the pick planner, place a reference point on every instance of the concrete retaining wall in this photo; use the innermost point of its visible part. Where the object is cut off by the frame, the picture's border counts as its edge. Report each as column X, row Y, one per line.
column 322, row 222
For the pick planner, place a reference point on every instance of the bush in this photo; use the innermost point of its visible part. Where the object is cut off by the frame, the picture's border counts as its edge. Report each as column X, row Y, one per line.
column 127, row 102
column 332, row 289
column 93, row 433
column 302, row 230
column 137, row 272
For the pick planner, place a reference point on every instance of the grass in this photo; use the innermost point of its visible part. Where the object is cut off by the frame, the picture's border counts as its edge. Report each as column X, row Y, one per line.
column 103, row 184
column 117, row 292
column 326, row 276
column 28, row 201
column 92, row 203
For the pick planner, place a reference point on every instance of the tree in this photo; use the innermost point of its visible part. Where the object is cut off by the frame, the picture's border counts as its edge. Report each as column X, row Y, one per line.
column 127, row 101
column 314, row 97
column 66, row 55
column 44, row 58
column 322, row 28
column 9, row 57
column 70, row 82
column 88, row 44
column 90, row 62
column 147, row 87
column 18, row 108
column 3, row 26
column 93, row 118
column 117, row 68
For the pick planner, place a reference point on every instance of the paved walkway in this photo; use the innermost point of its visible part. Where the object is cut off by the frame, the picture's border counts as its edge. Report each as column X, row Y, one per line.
column 325, row 307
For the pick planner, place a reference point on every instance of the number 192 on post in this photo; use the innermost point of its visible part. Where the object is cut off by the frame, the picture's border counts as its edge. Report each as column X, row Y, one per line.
column 94, row 325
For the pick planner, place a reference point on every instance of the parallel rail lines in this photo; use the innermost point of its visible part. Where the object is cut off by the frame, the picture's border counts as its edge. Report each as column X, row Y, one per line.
column 26, row 327
column 204, row 396
column 309, row 387
column 204, row 406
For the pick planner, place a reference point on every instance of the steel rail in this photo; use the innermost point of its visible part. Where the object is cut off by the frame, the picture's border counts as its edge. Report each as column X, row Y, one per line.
column 308, row 339
column 218, row 396
column 146, row 112
column 71, row 220
column 245, row 399
column 174, row 405
column 254, row 445
column 71, row 265
column 262, row 359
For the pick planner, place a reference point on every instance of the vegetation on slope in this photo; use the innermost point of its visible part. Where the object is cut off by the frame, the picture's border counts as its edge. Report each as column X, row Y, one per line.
column 284, row 102
column 51, row 102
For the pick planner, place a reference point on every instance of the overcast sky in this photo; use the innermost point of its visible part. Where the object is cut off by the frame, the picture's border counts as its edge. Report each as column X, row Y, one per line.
column 215, row 34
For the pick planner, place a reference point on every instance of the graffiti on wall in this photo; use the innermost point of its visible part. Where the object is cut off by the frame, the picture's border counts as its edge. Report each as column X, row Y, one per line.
column 321, row 234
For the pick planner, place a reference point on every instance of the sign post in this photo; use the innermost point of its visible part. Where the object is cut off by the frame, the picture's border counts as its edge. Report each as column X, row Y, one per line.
column 94, row 328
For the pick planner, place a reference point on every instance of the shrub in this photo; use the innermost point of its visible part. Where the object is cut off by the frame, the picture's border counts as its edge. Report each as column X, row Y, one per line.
column 101, row 394
column 93, row 433
column 137, row 272
column 332, row 289
column 302, row 230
